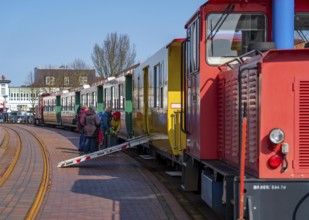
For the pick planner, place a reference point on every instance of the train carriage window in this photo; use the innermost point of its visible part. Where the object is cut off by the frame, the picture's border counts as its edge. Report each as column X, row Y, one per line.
column 83, row 99
column 88, row 99
column 54, row 105
column 161, row 84
column 68, row 103
column 112, row 97
column 93, row 99
column 232, row 37
column 105, row 98
column 108, row 97
column 138, row 93
column 158, row 86
column 155, row 86
column 64, row 104
column 117, row 97
column 72, row 102
column 121, row 96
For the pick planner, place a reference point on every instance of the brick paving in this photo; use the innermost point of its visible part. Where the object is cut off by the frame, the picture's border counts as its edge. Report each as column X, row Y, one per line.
column 111, row 187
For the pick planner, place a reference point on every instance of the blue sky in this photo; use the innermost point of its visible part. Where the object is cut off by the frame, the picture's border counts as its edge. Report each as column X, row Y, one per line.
column 41, row 33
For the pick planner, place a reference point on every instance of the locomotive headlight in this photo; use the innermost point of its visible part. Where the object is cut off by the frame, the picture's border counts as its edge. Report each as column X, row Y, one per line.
column 276, row 136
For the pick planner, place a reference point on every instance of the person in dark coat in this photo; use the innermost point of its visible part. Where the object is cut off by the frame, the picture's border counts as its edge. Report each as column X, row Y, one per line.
column 91, row 130
column 80, row 125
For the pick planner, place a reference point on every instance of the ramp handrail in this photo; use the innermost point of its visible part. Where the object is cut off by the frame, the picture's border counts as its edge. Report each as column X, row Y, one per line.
column 128, row 144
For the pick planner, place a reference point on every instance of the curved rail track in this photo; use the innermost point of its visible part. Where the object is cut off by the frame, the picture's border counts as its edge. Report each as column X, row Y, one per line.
column 25, row 177
column 117, row 186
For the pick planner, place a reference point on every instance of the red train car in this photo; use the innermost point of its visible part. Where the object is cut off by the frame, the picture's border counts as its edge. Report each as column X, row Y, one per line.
column 39, row 110
column 246, row 111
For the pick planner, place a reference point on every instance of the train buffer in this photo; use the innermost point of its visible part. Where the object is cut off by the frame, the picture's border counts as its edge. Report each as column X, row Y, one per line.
column 130, row 143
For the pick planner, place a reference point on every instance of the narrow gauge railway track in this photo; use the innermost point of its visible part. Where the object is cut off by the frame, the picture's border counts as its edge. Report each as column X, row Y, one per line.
column 113, row 187
column 25, row 178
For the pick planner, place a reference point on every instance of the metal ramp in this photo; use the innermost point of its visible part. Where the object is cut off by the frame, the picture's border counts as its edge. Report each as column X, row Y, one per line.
column 131, row 143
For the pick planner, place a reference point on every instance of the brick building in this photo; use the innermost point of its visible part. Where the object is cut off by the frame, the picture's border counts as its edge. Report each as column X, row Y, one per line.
column 63, row 77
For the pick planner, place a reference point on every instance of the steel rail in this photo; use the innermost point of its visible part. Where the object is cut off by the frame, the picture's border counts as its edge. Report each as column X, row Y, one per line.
column 5, row 142
column 45, row 182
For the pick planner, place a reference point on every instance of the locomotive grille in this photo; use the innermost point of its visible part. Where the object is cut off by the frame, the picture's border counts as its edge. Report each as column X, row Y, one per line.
column 304, row 125
column 221, row 123
column 231, row 144
column 249, row 95
column 228, row 118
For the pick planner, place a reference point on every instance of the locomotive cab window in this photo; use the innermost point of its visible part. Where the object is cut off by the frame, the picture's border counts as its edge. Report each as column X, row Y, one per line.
column 301, row 32
column 228, row 36
column 192, row 47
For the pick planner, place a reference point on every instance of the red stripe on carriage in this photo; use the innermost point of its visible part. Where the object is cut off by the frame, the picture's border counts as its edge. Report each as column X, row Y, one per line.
column 78, row 161
column 88, row 158
column 123, row 147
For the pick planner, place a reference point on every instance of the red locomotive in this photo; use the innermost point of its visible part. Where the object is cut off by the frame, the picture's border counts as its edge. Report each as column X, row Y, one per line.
column 246, row 108
column 230, row 102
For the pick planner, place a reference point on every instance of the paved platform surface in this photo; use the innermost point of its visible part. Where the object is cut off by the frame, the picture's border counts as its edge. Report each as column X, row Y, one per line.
column 111, row 187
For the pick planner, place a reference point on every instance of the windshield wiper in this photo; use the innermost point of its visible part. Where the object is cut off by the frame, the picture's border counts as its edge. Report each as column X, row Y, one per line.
column 221, row 20
column 300, row 32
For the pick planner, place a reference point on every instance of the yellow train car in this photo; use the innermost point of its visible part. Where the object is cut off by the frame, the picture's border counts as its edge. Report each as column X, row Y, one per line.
column 157, row 100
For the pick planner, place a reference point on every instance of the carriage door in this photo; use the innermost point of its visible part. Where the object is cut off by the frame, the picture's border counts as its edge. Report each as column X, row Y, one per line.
column 193, row 86
column 146, row 122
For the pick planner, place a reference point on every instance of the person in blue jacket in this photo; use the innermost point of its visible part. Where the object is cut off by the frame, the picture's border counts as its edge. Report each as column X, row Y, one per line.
column 105, row 123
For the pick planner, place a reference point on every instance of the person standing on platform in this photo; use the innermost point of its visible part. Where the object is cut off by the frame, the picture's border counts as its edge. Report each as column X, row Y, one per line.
column 115, row 128
column 100, row 137
column 81, row 114
column 106, row 124
column 115, row 122
column 91, row 130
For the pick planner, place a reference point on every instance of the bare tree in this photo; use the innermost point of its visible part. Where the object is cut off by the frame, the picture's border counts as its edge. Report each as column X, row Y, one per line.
column 34, row 91
column 115, row 55
column 80, row 68
column 79, row 64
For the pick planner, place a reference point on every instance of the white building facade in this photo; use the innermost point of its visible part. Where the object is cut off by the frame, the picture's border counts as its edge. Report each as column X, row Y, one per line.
column 4, row 93
column 22, row 99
